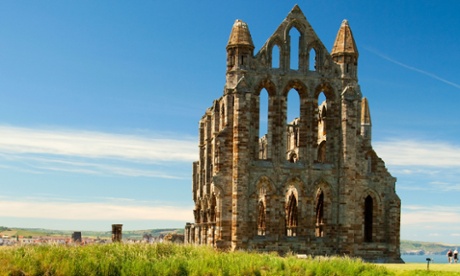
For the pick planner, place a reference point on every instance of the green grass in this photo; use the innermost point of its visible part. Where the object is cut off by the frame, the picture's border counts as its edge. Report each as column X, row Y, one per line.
column 168, row 259
column 420, row 269
column 172, row 259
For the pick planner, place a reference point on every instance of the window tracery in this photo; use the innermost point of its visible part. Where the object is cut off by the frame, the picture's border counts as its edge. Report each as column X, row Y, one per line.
column 319, row 213
column 291, row 216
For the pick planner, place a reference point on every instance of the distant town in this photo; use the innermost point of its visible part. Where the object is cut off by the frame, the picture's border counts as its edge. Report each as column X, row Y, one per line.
column 36, row 236
column 24, row 236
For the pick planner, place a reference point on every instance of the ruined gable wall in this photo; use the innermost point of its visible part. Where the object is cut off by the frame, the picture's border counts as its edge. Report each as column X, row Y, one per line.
column 231, row 168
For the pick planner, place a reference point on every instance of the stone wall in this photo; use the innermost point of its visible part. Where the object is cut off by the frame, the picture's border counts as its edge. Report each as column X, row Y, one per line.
column 313, row 185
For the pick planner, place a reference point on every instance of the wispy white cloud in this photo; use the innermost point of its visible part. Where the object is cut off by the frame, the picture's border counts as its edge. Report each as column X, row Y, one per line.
column 34, row 150
column 419, row 153
column 69, row 210
column 39, row 164
column 430, row 215
column 430, row 166
column 96, row 144
column 446, row 186
column 434, row 223
column 431, row 75
column 413, row 188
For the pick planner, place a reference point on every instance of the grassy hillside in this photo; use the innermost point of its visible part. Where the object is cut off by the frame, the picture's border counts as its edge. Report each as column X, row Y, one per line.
column 38, row 232
column 421, row 248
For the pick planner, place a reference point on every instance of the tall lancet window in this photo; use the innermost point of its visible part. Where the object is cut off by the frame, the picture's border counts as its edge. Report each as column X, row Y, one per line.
column 322, row 133
column 263, row 124
column 261, row 219
column 291, row 216
column 368, row 218
column 292, row 125
column 294, row 36
column 312, row 60
column 319, row 213
column 276, row 56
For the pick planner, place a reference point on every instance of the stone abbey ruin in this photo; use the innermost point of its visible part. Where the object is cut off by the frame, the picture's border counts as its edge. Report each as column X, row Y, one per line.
column 311, row 185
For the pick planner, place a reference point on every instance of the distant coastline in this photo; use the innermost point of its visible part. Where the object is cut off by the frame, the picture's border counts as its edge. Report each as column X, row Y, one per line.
column 418, row 248
column 408, row 248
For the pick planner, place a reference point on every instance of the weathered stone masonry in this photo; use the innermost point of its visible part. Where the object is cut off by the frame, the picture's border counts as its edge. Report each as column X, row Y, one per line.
column 313, row 185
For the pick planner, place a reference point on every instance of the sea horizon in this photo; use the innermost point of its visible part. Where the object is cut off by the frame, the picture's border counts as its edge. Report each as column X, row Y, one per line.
column 435, row 258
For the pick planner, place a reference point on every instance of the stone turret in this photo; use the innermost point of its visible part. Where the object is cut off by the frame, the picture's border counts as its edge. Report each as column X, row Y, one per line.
column 239, row 52
column 345, row 53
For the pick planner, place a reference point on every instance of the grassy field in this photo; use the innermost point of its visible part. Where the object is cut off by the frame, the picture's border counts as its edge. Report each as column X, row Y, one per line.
column 168, row 259
column 171, row 259
column 421, row 269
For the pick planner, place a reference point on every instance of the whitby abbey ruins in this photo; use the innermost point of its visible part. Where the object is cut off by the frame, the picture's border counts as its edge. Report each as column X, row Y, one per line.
column 309, row 185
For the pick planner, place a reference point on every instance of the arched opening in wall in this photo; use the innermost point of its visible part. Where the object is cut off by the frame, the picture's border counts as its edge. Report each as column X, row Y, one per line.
column 230, row 58
column 368, row 218
column 321, row 98
column 294, row 38
column 323, row 115
column 261, row 219
column 292, row 125
column 291, row 216
column 319, row 213
column 263, row 124
column 276, row 56
column 293, row 105
column 322, row 127
column 312, row 60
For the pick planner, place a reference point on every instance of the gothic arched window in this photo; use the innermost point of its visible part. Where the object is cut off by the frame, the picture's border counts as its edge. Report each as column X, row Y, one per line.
column 319, row 213
column 276, row 56
column 261, row 219
column 291, row 216
column 294, row 37
column 368, row 218
column 292, row 121
column 312, row 59
column 263, row 124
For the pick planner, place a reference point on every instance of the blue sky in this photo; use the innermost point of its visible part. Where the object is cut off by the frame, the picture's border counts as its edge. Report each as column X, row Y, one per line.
column 100, row 103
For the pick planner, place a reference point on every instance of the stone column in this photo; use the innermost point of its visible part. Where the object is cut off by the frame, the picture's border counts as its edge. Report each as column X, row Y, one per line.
column 76, row 237
column 187, row 239
column 117, row 232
